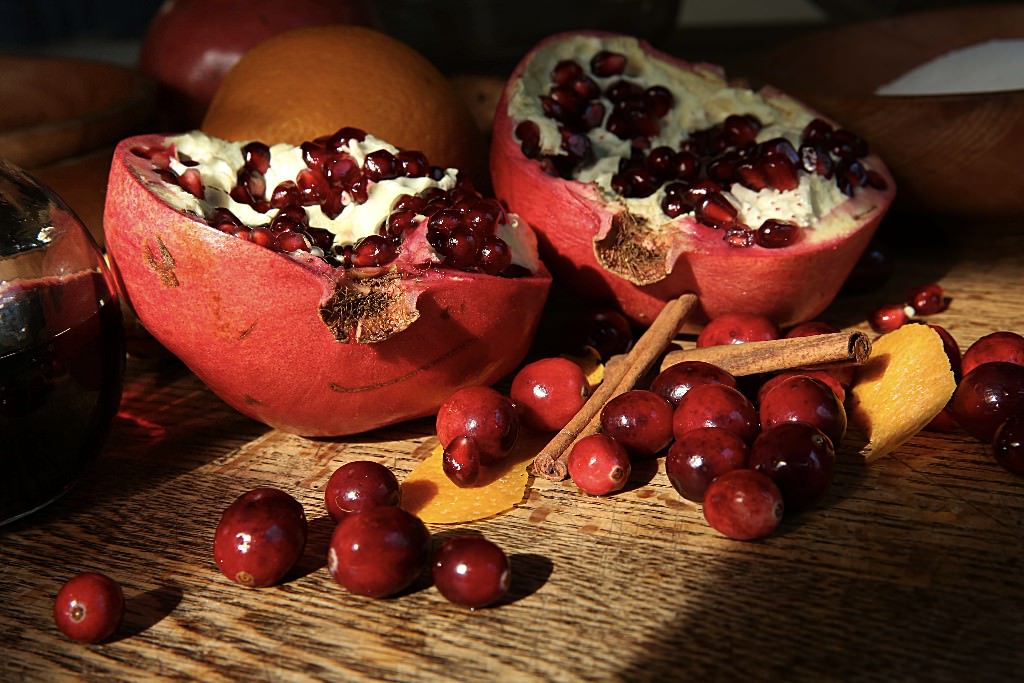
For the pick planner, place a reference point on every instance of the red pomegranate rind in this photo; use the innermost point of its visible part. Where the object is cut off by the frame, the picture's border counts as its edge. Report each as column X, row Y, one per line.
column 586, row 234
column 277, row 336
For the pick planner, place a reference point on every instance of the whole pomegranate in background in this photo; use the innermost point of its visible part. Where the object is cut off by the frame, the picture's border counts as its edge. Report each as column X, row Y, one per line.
column 326, row 289
column 647, row 176
column 191, row 44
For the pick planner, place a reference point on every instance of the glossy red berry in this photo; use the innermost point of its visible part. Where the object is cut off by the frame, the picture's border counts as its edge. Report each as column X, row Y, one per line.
column 715, row 405
column 549, row 392
column 359, row 485
column 483, row 414
column 608, row 332
column 260, row 536
column 799, row 458
column 811, row 329
column 988, row 395
column 888, row 318
column 379, row 551
column 471, row 571
column 800, row 398
column 673, row 382
column 461, row 461
column 1008, row 444
column 927, row 299
column 743, row 504
column 699, row 456
column 599, row 465
column 640, row 420
column 829, row 377
column 89, row 608
column 737, row 328
column 998, row 346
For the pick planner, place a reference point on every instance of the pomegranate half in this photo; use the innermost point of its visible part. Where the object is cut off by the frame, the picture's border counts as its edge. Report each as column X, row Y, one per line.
column 326, row 289
column 646, row 176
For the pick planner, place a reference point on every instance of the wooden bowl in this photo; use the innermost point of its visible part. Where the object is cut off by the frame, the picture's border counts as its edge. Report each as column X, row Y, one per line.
column 59, row 108
column 950, row 154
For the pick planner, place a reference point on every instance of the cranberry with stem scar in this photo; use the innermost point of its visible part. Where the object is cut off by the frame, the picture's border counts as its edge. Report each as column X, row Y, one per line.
column 927, row 299
column 640, row 420
column 378, row 552
column 715, row 405
column 699, row 456
column 598, row 465
column 360, row 485
column 743, row 504
column 888, row 317
column 799, row 458
column 89, row 608
column 485, row 415
column 471, row 571
column 260, row 537
column 549, row 392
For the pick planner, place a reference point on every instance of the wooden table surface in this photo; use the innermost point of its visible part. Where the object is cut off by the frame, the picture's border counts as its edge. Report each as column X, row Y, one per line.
column 910, row 570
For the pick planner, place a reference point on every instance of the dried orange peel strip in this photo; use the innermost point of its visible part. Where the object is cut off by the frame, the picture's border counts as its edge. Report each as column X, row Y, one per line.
column 904, row 384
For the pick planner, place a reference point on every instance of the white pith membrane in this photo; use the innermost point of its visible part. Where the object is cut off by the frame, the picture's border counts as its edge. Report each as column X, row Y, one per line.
column 219, row 161
column 702, row 99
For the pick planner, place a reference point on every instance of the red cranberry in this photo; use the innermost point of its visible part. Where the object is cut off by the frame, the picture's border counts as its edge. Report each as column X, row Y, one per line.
column 378, row 552
column 608, row 332
column 701, row 455
column 812, row 329
column 1002, row 346
column 799, row 458
column 549, row 392
column 833, row 379
column 927, row 299
column 260, row 536
column 461, row 461
column 471, row 571
column 89, row 607
column 1008, row 444
column 737, row 328
column 673, row 382
column 888, row 318
column 483, row 414
column 743, row 504
column 599, row 465
column 800, row 398
column 987, row 396
column 640, row 420
column 359, row 485
column 715, row 405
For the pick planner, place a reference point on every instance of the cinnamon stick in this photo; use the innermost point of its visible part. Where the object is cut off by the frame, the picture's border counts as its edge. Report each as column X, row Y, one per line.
column 818, row 351
column 619, row 378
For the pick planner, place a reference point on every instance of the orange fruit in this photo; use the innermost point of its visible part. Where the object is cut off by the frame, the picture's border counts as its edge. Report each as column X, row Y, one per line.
column 309, row 82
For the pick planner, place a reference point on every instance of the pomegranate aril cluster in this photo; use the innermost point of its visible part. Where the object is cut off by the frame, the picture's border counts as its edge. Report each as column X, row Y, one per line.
column 462, row 225
column 697, row 173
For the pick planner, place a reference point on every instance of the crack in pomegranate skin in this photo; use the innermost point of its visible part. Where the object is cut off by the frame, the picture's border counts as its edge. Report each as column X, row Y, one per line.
column 163, row 265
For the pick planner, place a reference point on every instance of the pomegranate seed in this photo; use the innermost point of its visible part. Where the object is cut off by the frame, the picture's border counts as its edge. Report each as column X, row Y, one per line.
column 675, row 205
column 569, row 100
column 410, row 202
column 461, row 461
column 295, row 213
column 620, row 91
column 659, row 100
column 779, row 172
column 322, row 239
column 576, row 144
column 781, row 147
column 400, row 222
column 723, row 169
column 816, row 159
column 565, row 72
column 606, row 63
column 740, row 237
column 599, row 465
column 750, row 176
column 593, row 115
column 224, row 220
column 445, row 221
column 89, row 608
column 360, row 485
column 715, row 211
column 700, row 456
column 412, row 163
column 687, row 165
column 312, row 187
column 160, row 159
column 256, row 156
column 461, row 248
column 262, row 236
column 818, row 131
column 774, row 234
column 286, row 192
column 850, row 175
column 701, row 189
column 927, row 299
column 333, row 203
column 314, row 155
column 528, row 133
column 586, row 88
column 743, row 504
column 847, row 145
column 739, row 130
column 358, row 187
column 888, row 318
column 242, row 233
column 289, row 241
column 341, row 139
column 471, row 571
column 494, row 256
column 380, row 165
column 192, row 182
column 337, row 168
column 373, row 250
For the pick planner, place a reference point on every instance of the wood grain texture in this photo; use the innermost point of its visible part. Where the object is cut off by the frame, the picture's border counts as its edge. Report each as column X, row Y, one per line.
column 909, row 571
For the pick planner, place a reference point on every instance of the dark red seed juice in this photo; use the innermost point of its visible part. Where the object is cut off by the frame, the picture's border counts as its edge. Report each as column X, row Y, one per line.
column 61, row 369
